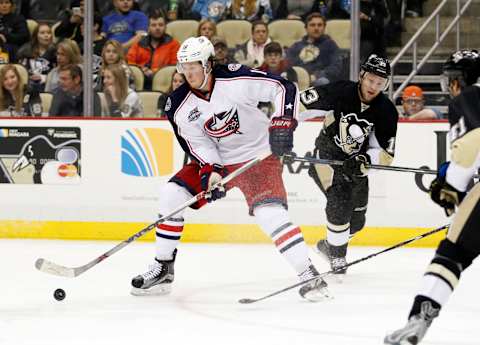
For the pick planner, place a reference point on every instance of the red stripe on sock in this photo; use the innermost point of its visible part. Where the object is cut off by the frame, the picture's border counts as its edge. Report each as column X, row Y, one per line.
column 288, row 235
column 170, row 227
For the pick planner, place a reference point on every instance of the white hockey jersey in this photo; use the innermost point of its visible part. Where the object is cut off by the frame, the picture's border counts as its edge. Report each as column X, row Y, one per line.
column 229, row 128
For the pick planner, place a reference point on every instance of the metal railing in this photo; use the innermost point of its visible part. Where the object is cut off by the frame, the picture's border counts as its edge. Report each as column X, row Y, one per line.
column 439, row 37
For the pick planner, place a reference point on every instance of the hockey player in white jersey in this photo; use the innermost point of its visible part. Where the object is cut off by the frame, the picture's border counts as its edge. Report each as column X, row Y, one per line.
column 217, row 122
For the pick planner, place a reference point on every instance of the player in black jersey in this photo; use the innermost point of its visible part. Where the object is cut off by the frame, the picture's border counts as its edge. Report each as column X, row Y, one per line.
column 360, row 127
column 462, row 244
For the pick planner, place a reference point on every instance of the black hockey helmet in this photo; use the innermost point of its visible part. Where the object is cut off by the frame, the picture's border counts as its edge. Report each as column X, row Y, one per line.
column 377, row 65
column 463, row 65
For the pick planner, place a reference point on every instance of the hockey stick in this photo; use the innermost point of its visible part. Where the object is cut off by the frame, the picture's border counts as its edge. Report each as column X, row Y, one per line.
column 371, row 166
column 401, row 244
column 71, row 272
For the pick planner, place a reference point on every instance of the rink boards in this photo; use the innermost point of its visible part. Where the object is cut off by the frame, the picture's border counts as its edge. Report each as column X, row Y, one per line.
column 99, row 179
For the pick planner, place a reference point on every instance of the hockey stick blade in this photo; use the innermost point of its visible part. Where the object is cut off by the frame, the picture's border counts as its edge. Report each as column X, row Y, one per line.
column 50, row 267
column 401, row 244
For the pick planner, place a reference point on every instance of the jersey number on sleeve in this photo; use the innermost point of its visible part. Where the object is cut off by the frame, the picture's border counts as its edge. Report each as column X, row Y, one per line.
column 457, row 130
column 309, row 96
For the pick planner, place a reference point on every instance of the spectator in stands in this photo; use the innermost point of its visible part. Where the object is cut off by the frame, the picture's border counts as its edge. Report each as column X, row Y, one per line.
column 316, row 52
column 155, row 50
column 70, row 22
column 177, row 80
column 251, row 52
column 38, row 56
column 393, row 29
column 207, row 28
column 124, row 24
column 222, row 53
column 68, row 100
column 113, row 54
column 42, row 10
column 15, row 97
column 275, row 63
column 295, row 9
column 252, row 10
column 122, row 101
column 413, row 103
column 13, row 29
column 68, row 53
column 174, row 9
column 215, row 10
column 372, row 17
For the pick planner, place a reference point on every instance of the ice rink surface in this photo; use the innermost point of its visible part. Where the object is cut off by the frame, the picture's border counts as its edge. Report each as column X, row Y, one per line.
column 202, row 308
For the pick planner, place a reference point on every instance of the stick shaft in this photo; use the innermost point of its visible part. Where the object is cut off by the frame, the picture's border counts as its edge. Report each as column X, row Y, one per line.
column 371, row 166
column 401, row 244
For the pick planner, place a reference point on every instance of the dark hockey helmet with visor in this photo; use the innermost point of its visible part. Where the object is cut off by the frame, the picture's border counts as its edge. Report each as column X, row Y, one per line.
column 377, row 65
column 464, row 66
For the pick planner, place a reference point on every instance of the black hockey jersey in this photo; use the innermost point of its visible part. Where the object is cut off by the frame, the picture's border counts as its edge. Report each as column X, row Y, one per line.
column 350, row 125
column 464, row 136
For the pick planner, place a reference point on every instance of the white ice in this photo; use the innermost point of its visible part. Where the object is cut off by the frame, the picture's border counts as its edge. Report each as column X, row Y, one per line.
column 203, row 309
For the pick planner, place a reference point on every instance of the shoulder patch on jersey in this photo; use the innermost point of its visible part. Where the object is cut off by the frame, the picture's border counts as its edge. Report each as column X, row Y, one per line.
column 233, row 67
column 194, row 114
column 168, row 104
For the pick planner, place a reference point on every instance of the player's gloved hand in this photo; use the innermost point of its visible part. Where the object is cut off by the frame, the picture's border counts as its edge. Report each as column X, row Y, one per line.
column 289, row 158
column 281, row 135
column 211, row 174
column 356, row 166
column 444, row 194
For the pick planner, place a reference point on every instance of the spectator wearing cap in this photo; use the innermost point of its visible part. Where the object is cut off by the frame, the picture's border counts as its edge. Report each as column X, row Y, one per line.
column 155, row 50
column 317, row 52
column 251, row 52
column 274, row 62
column 413, row 103
column 222, row 54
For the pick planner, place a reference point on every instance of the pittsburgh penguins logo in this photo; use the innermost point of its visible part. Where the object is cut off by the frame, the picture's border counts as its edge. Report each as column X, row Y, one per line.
column 352, row 133
column 223, row 124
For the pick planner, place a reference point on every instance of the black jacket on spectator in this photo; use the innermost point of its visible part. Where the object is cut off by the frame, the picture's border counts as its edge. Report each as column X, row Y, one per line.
column 281, row 11
column 41, row 65
column 64, row 104
column 67, row 29
column 14, row 28
column 32, row 104
column 40, row 10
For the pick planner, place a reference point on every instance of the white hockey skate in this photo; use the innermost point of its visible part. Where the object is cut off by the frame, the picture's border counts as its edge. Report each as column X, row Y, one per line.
column 416, row 327
column 157, row 280
column 336, row 263
column 316, row 290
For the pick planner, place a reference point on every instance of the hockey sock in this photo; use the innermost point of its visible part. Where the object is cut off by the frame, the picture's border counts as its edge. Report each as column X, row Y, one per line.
column 167, row 236
column 337, row 238
column 274, row 221
column 169, row 232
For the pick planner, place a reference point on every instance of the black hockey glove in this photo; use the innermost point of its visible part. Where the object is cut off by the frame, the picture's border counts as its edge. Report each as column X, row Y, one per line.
column 281, row 135
column 356, row 166
column 444, row 194
column 211, row 174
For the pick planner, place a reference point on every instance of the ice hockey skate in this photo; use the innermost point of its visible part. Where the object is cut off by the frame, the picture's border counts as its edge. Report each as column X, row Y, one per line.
column 336, row 262
column 416, row 327
column 157, row 280
column 316, row 290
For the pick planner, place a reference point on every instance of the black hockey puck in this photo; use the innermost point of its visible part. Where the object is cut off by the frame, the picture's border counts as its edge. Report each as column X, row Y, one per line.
column 59, row 294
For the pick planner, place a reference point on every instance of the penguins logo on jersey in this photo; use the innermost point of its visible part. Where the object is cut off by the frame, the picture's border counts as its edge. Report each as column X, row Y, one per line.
column 352, row 132
column 223, row 124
